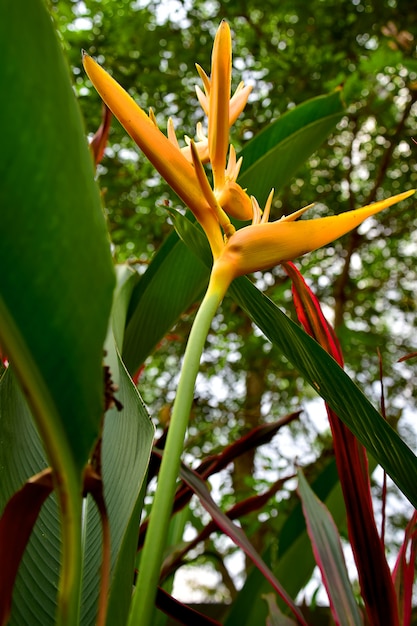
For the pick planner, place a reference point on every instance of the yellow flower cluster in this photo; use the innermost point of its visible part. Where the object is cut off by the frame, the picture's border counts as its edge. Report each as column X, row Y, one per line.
column 262, row 244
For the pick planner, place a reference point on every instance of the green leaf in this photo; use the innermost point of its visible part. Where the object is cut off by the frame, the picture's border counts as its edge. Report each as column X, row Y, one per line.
column 174, row 541
column 294, row 543
column 21, row 452
column 333, row 384
column 127, row 441
column 274, row 155
column 329, row 556
column 275, row 617
column 172, row 282
column 57, row 278
column 193, row 480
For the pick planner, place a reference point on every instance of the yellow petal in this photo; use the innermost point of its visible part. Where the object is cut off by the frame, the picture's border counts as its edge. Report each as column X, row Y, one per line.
column 262, row 246
column 171, row 134
column 203, row 100
column 238, row 102
column 235, row 201
column 208, row 193
column 236, row 105
column 218, row 123
column 161, row 152
column 294, row 216
column 202, row 149
column 204, row 78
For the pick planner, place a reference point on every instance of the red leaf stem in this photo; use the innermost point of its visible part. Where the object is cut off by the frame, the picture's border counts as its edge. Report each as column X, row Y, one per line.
column 211, row 465
column 99, row 140
column 244, row 507
column 403, row 574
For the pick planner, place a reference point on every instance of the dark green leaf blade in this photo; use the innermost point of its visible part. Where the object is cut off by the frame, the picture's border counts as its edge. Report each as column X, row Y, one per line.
column 57, row 277
column 22, row 453
column 274, row 155
column 126, row 446
column 173, row 281
column 333, row 384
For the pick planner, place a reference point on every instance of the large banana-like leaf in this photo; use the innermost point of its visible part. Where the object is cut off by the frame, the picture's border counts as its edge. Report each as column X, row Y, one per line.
column 127, row 441
column 271, row 158
column 172, row 282
column 57, row 277
column 21, row 452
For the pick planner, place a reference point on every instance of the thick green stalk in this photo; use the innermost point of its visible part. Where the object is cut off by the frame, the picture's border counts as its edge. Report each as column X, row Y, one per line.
column 70, row 579
column 151, row 558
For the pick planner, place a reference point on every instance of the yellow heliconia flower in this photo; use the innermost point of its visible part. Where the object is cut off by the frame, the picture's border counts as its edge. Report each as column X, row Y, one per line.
column 263, row 244
column 164, row 155
column 256, row 247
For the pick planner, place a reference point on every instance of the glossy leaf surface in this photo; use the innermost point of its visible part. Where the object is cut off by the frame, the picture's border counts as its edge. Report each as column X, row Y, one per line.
column 21, row 451
column 127, row 441
column 271, row 158
column 57, row 279
column 172, row 283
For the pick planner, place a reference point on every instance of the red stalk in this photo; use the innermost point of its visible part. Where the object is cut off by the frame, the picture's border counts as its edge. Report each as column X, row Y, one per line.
column 403, row 574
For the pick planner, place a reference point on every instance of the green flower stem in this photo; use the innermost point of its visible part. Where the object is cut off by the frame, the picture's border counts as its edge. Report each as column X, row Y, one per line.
column 150, row 564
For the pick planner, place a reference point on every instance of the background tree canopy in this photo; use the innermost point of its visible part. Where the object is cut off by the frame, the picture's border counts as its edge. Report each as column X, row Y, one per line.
column 290, row 51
